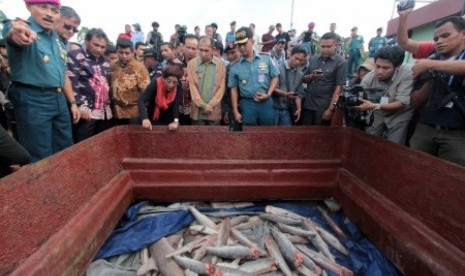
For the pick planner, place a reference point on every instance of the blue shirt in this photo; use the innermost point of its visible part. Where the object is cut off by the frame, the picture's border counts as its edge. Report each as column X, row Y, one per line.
column 137, row 37
column 42, row 63
column 252, row 77
column 356, row 43
column 230, row 37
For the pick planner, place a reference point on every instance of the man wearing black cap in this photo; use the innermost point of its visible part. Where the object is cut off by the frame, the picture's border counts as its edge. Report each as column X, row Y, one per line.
column 216, row 35
column 231, row 36
column 252, row 81
column 151, row 62
column 155, row 39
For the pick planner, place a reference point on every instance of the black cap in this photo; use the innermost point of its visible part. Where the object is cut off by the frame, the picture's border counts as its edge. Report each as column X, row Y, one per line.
column 150, row 52
column 230, row 46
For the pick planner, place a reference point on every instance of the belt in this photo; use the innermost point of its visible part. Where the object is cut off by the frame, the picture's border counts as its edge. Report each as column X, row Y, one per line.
column 39, row 88
column 438, row 127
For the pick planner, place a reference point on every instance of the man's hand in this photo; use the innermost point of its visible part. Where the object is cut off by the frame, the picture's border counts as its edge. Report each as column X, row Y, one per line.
column 207, row 110
column 76, row 113
column 297, row 115
column 260, row 97
column 20, row 34
column 85, row 114
column 366, row 105
column 404, row 13
column 291, row 95
column 328, row 114
column 147, row 124
column 238, row 117
column 173, row 126
column 420, row 67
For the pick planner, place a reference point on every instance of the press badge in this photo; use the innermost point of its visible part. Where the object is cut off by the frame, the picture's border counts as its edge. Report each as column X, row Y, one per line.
column 384, row 100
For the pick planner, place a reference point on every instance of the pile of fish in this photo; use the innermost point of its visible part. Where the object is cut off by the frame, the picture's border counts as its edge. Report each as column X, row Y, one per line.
column 270, row 243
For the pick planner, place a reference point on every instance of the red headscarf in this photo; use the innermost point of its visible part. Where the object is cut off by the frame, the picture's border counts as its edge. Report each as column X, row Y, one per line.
column 163, row 99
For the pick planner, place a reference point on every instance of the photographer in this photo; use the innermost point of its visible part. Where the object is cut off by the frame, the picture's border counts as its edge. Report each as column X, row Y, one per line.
column 441, row 126
column 393, row 112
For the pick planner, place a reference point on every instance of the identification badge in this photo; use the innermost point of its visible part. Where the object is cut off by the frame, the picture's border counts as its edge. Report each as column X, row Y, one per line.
column 384, row 100
column 261, row 78
column 449, row 105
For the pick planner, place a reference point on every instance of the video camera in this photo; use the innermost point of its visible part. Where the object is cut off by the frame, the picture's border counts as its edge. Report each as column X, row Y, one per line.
column 351, row 96
column 181, row 33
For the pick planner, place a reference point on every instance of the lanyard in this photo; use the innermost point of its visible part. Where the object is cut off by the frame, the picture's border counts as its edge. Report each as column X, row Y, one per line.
column 451, row 77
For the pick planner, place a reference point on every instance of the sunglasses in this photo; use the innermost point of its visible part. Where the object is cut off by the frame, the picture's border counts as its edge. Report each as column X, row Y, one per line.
column 69, row 28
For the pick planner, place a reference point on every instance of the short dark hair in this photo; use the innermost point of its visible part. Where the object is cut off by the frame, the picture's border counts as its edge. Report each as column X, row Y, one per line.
column 394, row 54
column 155, row 24
column 139, row 44
column 278, row 25
column 214, row 25
column 329, row 35
column 191, row 36
column 298, row 50
column 124, row 44
column 69, row 12
column 170, row 45
column 208, row 38
column 97, row 32
column 111, row 49
column 219, row 46
column 379, row 29
column 173, row 70
column 457, row 21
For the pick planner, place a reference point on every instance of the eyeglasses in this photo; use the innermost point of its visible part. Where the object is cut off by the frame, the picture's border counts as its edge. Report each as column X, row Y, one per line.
column 69, row 28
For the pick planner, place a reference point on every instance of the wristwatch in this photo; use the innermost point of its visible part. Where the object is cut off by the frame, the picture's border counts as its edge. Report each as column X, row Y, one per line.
column 377, row 107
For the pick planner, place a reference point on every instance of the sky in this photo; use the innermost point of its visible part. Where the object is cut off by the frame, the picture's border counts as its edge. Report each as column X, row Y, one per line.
column 111, row 16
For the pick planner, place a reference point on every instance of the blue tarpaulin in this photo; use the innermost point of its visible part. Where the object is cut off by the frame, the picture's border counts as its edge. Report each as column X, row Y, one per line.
column 133, row 234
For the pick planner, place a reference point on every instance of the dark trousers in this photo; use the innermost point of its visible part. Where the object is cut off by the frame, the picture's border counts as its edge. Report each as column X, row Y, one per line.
column 445, row 144
column 86, row 129
column 314, row 118
column 11, row 153
column 42, row 120
column 354, row 62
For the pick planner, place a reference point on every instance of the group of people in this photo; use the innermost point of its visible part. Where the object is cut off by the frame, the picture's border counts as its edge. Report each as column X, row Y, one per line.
column 68, row 93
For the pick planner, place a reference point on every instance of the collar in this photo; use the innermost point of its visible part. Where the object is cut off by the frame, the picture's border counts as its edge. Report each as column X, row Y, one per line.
column 33, row 25
column 332, row 57
column 199, row 61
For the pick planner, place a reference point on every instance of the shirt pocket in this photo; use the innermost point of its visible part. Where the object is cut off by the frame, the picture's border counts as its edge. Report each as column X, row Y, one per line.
column 244, row 79
column 45, row 53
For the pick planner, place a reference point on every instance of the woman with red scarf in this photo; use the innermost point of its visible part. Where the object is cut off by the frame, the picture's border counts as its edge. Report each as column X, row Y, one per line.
column 159, row 103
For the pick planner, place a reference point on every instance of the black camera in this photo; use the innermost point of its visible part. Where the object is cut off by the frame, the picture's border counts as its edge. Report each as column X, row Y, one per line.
column 181, row 33
column 405, row 5
column 351, row 96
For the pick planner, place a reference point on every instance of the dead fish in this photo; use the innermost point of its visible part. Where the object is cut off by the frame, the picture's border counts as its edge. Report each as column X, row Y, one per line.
column 288, row 250
column 228, row 271
column 189, row 272
column 332, row 240
column 238, row 220
column 297, row 239
column 224, row 228
column 333, row 225
column 283, row 212
column 280, row 219
column 296, row 231
column 253, row 222
column 234, row 251
column 274, row 251
column 201, row 218
column 148, row 264
column 203, row 229
column 188, row 247
column 325, row 262
column 158, row 251
column 193, row 265
column 306, row 271
column 245, row 241
column 259, row 266
column 317, row 241
column 202, row 251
